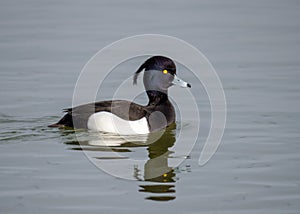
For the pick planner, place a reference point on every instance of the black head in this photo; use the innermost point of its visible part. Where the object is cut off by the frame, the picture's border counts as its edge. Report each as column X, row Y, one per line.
column 156, row 63
column 160, row 74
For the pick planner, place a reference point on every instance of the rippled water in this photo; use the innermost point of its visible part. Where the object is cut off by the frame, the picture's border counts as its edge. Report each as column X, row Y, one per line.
column 254, row 47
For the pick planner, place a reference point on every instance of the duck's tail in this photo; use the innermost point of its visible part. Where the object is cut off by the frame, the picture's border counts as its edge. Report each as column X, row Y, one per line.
column 66, row 121
column 56, row 125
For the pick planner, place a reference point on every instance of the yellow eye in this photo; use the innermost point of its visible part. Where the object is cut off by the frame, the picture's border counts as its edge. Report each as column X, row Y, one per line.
column 165, row 71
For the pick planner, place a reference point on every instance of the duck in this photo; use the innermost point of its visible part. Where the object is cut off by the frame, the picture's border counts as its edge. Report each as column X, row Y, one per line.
column 128, row 118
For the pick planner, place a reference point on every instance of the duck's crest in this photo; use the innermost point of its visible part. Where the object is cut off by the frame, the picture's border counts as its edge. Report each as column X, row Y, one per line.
column 136, row 74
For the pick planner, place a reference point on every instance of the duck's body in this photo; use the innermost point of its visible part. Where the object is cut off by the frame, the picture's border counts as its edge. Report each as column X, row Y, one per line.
column 125, row 117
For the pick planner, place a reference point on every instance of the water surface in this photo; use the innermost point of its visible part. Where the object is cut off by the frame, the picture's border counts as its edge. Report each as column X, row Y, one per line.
column 254, row 46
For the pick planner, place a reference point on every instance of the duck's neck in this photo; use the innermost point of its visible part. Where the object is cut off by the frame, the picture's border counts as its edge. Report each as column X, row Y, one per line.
column 157, row 97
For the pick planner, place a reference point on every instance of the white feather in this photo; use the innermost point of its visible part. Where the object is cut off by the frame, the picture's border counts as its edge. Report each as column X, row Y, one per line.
column 108, row 122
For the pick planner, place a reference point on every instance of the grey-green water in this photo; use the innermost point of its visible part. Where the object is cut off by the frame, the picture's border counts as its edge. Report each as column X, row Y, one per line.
column 254, row 46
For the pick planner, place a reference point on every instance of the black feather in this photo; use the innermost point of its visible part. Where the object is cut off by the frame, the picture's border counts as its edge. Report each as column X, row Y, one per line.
column 141, row 68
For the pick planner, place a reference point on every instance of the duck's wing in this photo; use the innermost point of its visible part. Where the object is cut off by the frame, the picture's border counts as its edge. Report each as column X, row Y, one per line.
column 77, row 117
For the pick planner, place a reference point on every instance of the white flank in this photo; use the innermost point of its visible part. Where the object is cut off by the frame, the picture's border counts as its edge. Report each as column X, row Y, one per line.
column 108, row 122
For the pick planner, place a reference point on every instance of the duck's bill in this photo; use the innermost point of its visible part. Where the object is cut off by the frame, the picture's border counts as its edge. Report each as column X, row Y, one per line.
column 180, row 82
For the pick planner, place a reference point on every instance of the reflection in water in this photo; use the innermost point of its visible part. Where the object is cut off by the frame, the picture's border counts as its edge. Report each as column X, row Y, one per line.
column 157, row 168
column 157, row 176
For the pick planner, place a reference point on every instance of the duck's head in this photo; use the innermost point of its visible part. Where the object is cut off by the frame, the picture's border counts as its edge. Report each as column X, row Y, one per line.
column 160, row 74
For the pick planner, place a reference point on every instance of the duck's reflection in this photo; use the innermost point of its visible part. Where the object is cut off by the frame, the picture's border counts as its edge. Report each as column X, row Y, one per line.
column 157, row 169
column 156, row 175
